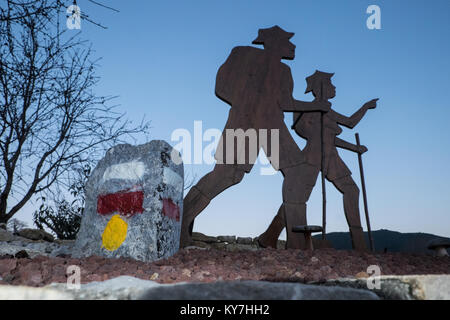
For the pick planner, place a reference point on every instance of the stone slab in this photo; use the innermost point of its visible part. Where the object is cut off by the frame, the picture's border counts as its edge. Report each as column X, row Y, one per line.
column 134, row 203
column 409, row 287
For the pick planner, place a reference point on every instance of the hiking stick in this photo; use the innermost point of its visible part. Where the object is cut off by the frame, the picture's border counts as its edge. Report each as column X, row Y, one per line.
column 322, row 164
column 363, row 185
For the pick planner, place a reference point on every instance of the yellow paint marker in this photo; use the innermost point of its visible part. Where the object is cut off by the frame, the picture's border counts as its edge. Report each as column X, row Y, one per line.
column 114, row 234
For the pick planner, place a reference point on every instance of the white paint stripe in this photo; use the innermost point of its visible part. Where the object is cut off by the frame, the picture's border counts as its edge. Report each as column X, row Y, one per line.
column 173, row 178
column 133, row 170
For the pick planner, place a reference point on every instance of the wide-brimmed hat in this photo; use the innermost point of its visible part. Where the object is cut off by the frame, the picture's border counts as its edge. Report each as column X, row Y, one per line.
column 272, row 33
column 315, row 79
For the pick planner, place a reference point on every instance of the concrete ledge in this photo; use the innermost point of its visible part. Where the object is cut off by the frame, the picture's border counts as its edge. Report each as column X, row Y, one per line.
column 421, row 287
column 130, row 288
column 256, row 290
column 411, row 287
column 30, row 293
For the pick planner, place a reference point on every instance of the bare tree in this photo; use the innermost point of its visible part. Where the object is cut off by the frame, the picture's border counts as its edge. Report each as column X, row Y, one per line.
column 50, row 117
column 190, row 180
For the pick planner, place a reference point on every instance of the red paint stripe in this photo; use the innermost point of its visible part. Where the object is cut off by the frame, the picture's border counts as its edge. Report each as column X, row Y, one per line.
column 171, row 210
column 123, row 202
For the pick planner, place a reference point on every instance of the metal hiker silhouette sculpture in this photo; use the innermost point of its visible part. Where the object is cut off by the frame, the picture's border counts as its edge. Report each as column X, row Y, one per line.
column 321, row 154
column 258, row 86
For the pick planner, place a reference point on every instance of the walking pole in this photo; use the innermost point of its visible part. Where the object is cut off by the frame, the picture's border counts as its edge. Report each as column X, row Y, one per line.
column 363, row 185
column 322, row 163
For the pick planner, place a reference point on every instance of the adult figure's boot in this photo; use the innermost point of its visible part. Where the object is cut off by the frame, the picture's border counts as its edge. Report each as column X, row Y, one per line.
column 193, row 204
column 358, row 240
column 270, row 237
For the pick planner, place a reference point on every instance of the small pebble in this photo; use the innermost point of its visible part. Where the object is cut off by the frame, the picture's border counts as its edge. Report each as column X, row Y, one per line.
column 154, row 276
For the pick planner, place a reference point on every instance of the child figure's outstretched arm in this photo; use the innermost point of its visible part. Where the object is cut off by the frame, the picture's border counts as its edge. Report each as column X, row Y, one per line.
column 349, row 146
column 306, row 106
column 351, row 122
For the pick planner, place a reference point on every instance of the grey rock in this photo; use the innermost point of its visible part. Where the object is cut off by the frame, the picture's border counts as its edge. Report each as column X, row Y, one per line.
column 65, row 242
column 147, row 168
column 120, row 288
column 65, row 250
column 35, row 234
column 246, row 240
column 6, row 236
column 11, row 249
column 229, row 239
column 130, row 288
column 200, row 244
column 241, row 247
column 219, row 245
column 198, row 236
column 35, row 248
column 281, row 244
column 196, row 247
column 392, row 287
column 411, row 287
column 29, row 293
column 255, row 290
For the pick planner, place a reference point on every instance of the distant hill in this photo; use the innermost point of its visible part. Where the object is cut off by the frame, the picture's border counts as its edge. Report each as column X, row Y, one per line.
column 383, row 239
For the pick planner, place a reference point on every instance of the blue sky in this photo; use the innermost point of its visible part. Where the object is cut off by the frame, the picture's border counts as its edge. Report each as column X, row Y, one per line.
column 161, row 58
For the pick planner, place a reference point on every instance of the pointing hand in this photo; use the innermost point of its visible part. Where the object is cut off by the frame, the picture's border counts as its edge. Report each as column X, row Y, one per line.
column 372, row 104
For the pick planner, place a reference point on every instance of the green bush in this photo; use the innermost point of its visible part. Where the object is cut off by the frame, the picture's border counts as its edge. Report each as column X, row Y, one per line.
column 64, row 217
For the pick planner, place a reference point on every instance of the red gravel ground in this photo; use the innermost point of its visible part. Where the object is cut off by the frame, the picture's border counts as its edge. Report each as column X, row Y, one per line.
column 195, row 265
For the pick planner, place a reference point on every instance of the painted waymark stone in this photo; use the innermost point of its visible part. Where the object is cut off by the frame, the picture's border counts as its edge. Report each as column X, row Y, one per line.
column 134, row 203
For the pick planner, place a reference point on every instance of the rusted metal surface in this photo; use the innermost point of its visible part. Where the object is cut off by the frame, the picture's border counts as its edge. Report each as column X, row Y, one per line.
column 258, row 87
column 321, row 155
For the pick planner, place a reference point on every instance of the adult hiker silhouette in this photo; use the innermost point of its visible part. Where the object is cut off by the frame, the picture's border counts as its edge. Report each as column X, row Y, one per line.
column 258, row 86
column 309, row 126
